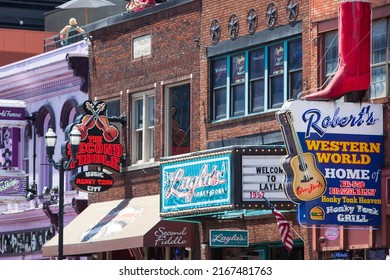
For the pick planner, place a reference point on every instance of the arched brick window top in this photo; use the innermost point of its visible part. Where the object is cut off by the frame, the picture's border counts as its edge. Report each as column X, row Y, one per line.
column 40, row 119
column 69, row 105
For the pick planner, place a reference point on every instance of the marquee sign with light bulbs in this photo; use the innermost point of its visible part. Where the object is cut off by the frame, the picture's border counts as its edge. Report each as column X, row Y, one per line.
column 222, row 179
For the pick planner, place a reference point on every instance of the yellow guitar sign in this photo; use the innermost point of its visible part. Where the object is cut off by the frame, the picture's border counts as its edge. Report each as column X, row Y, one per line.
column 302, row 179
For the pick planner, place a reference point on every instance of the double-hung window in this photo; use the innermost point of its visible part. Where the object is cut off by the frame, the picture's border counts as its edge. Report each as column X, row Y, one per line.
column 331, row 55
column 295, row 68
column 255, row 80
column 219, row 89
column 380, row 59
column 143, row 128
column 276, row 75
column 238, row 85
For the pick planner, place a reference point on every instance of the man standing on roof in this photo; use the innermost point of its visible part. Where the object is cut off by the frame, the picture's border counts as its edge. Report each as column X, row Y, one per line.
column 68, row 33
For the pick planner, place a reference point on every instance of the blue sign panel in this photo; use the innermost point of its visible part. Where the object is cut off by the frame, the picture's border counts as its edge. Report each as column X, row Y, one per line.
column 196, row 183
column 229, row 238
column 353, row 195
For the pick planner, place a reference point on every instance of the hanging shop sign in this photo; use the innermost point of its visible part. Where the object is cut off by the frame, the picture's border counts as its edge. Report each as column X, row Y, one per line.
column 335, row 156
column 332, row 233
column 10, row 186
column 171, row 234
column 259, row 174
column 12, row 113
column 100, row 146
column 229, row 238
column 92, row 181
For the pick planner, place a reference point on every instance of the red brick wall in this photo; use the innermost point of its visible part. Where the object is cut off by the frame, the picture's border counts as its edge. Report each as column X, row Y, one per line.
column 222, row 10
column 113, row 74
column 175, row 56
column 261, row 229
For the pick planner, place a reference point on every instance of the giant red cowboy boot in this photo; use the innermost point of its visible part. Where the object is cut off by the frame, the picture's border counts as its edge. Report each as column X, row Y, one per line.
column 353, row 73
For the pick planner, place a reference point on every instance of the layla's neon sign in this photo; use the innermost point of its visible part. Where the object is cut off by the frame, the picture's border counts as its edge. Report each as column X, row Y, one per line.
column 185, row 186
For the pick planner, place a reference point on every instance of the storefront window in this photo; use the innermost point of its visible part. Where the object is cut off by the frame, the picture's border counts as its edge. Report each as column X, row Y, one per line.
column 256, row 80
column 24, row 242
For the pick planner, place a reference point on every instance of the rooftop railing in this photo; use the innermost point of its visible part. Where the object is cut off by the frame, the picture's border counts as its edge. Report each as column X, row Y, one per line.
column 55, row 42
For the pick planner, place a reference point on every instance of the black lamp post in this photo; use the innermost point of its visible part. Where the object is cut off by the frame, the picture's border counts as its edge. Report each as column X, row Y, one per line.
column 62, row 165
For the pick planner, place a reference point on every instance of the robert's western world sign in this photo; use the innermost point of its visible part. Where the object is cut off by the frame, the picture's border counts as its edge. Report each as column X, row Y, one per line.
column 335, row 155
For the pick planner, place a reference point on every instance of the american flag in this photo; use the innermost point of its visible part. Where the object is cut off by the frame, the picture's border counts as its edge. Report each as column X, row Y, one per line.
column 284, row 229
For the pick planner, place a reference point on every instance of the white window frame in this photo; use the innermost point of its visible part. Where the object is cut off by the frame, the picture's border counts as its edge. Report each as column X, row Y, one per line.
column 380, row 65
column 147, row 131
column 330, row 61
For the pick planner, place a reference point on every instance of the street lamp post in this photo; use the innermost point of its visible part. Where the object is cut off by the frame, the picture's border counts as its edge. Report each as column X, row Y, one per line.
column 62, row 165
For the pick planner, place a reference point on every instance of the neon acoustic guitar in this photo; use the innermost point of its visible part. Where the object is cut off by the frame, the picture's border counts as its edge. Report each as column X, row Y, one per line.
column 302, row 179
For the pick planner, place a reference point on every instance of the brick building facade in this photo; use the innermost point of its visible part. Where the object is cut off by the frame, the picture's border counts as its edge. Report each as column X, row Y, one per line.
column 117, row 75
column 203, row 55
column 179, row 54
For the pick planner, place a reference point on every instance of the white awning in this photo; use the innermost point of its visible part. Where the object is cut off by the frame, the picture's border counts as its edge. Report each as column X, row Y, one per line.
column 121, row 224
